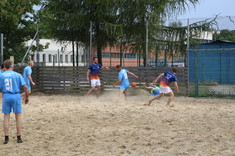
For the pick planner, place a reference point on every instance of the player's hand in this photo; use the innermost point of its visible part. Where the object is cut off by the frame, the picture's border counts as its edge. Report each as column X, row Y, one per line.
column 114, row 86
column 33, row 84
column 136, row 77
column 26, row 101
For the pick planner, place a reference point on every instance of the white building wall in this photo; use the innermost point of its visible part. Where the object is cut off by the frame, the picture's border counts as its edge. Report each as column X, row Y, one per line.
column 64, row 49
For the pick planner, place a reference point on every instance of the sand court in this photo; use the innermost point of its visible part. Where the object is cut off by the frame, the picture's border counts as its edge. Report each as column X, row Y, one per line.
column 72, row 125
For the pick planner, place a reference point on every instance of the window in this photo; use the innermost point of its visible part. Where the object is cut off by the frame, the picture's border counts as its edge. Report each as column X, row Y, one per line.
column 115, row 55
column 61, row 58
column 49, row 58
column 130, row 56
column 55, row 58
column 44, row 57
column 105, row 54
column 71, row 58
column 66, row 59
column 83, row 58
column 38, row 58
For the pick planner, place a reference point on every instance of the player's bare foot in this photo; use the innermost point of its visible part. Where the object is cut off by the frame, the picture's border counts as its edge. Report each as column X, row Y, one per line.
column 170, row 105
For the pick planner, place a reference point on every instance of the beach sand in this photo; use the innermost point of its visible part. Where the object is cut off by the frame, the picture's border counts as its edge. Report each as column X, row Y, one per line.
column 70, row 125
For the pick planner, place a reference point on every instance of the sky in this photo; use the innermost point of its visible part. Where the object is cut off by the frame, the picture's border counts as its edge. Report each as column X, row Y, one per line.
column 210, row 8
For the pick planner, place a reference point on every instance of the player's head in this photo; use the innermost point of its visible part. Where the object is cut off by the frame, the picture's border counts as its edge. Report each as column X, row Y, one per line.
column 175, row 70
column 118, row 67
column 8, row 64
column 95, row 60
column 31, row 63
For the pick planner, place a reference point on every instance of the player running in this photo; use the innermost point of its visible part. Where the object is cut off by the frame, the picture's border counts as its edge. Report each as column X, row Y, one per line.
column 10, row 83
column 123, row 79
column 93, row 71
column 166, row 79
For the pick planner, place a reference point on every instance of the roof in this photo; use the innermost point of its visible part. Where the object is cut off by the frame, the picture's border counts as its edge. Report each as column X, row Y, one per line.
column 219, row 42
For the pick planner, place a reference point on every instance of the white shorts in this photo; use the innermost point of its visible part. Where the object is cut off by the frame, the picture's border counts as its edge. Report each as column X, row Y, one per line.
column 95, row 83
column 165, row 90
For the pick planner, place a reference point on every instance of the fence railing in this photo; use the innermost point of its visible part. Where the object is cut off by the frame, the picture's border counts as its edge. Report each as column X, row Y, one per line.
column 73, row 79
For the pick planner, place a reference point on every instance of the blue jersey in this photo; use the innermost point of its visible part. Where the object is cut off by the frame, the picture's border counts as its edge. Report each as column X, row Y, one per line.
column 27, row 71
column 10, row 82
column 122, row 75
column 94, row 68
column 155, row 91
column 167, row 79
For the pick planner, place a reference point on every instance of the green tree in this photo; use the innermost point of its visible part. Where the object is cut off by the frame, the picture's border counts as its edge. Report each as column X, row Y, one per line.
column 228, row 35
column 71, row 21
column 17, row 25
column 113, row 20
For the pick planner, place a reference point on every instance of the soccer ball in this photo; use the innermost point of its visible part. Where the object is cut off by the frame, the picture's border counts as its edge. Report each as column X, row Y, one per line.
column 133, row 84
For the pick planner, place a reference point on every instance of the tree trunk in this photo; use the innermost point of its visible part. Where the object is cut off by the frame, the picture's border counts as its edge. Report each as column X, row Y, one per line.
column 77, row 60
column 73, row 53
column 98, row 44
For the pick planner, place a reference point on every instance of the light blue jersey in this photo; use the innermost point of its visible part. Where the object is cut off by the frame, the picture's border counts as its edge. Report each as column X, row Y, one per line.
column 122, row 75
column 155, row 91
column 10, row 82
column 27, row 71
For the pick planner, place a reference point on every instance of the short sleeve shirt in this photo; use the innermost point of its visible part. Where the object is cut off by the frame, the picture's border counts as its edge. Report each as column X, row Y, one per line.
column 122, row 75
column 27, row 71
column 10, row 82
column 167, row 79
column 94, row 68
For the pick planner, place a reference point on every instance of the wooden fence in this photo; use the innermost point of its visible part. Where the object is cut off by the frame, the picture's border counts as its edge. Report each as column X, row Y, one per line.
column 73, row 79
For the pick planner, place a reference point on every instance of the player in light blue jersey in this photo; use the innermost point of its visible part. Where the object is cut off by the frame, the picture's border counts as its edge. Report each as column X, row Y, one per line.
column 27, row 75
column 123, row 79
column 155, row 90
column 10, row 84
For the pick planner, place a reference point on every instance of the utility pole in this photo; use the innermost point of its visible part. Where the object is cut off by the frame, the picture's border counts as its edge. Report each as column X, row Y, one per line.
column 1, row 48
column 147, row 40
column 90, row 59
column 37, row 41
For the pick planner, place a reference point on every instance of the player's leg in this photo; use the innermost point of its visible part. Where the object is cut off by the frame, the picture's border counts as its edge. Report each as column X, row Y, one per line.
column 6, row 122
column 17, row 109
column 18, row 127
column 98, row 85
column 171, row 97
column 6, row 110
column 92, row 87
column 156, row 97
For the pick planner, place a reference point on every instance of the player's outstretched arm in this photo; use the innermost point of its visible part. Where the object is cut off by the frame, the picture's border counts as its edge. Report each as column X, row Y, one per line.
column 26, row 94
column 158, row 78
column 87, row 74
column 133, row 75
column 149, row 88
column 119, row 81
column 105, row 68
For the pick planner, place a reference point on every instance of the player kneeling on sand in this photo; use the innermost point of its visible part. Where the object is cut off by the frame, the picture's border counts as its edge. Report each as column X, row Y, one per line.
column 123, row 79
column 166, row 79
column 155, row 90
